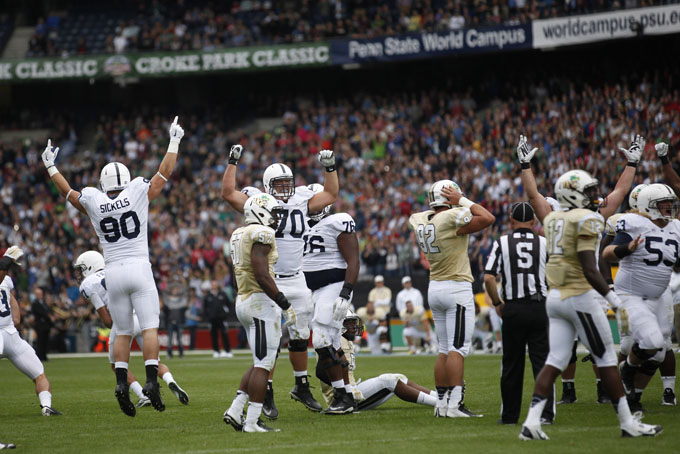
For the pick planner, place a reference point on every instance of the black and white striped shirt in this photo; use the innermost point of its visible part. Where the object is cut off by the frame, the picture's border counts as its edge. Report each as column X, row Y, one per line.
column 520, row 259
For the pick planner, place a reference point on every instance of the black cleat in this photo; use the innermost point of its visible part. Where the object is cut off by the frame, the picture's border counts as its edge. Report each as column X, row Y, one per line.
column 234, row 421
column 634, row 403
column 122, row 393
column 269, row 409
column 668, row 397
column 602, row 397
column 340, row 405
column 49, row 411
column 153, row 392
column 181, row 395
column 302, row 394
column 568, row 394
column 627, row 378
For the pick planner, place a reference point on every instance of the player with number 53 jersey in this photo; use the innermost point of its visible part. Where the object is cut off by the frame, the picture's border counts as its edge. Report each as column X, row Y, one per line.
column 119, row 212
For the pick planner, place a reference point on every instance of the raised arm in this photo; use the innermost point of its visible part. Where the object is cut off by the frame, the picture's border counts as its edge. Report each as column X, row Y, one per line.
column 611, row 203
column 668, row 172
column 331, row 184
column 71, row 195
column 536, row 199
column 168, row 162
column 234, row 197
column 481, row 217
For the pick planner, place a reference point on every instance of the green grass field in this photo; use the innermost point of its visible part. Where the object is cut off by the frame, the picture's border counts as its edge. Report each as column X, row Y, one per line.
column 92, row 422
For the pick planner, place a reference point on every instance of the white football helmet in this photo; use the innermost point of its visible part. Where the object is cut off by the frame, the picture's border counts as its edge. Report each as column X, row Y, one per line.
column 650, row 197
column 87, row 263
column 578, row 189
column 114, row 177
column 554, row 204
column 633, row 197
column 262, row 209
column 435, row 197
column 317, row 188
column 279, row 173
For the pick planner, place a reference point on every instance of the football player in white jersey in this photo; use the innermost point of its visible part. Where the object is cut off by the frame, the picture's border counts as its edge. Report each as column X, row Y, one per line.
column 13, row 347
column 331, row 267
column 647, row 247
column 295, row 202
column 545, row 205
column 90, row 274
column 119, row 214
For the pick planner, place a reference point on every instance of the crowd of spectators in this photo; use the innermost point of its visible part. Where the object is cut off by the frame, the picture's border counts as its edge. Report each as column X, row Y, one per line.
column 200, row 25
column 390, row 148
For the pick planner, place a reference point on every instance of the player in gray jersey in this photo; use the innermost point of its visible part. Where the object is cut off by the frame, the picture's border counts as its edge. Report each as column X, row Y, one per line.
column 295, row 203
column 119, row 212
column 331, row 267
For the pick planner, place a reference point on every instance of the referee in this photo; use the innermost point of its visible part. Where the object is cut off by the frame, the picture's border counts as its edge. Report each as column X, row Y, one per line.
column 519, row 258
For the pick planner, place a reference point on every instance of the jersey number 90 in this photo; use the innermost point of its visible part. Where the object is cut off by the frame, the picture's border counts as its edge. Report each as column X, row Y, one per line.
column 113, row 229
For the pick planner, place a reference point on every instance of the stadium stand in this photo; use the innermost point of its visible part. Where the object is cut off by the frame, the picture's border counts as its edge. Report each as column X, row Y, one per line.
column 6, row 28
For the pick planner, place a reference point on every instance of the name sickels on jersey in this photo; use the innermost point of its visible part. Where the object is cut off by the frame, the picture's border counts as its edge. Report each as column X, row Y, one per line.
column 117, row 205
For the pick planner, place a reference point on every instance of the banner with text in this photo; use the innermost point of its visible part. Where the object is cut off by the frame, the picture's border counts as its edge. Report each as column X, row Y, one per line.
column 428, row 45
column 565, row 31
column 168, row 64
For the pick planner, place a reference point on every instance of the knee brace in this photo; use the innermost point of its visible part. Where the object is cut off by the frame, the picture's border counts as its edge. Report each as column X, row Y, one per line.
column 573, row 354
column 328, row 357
column 320, row 372
column 642, row 354
column 340, row 354
column 648, row 368
column 298, row 345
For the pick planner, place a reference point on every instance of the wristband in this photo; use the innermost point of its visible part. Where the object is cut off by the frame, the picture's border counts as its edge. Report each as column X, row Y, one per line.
column 613, row 299
column 496, row 304
column 465, row 202
column 346, row 291
column 68, row 194
column 52, row 170
column 632, row 164
column 664, row 159
column 622, row 251
column 173, row 146
column 525, row 165
column 5, row 263
column 282, row 301
column 232, row 161
column 330, row 169
column 161, row 175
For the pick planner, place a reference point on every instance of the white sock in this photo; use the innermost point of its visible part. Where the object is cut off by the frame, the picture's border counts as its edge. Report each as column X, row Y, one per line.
column 121, row 365
column 669, row 382
column 434, row 394
column 238, row 403
column 151, row 362
column 535, row 411
column 456, row 395
column 338, row 384
column 300, row 373
column 567, row 380
column 168, row 378
column 623, row 411
column 136, row 388
column 348, row 388
column 426, row 399
column 45, row 398
column 254, row 412
column 639, row 390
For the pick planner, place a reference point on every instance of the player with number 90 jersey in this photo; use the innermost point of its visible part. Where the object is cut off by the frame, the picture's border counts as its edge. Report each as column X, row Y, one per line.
column 241, row 242
column 120, row 222
column 321, row 250
column 445, row 250
column 567, row 233
column 289, row 234
column 647, row 271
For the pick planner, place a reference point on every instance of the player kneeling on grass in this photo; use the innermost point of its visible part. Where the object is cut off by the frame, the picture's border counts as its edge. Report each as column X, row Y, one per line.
column 259, row 307
column 376, row 391
column 90, row 273
column 13, row 347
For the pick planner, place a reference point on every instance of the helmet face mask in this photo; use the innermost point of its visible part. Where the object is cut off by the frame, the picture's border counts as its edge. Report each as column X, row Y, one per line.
column 352, row 326
column 578, row 189
column 279, row 182
column 658, row 202
column 262, row 209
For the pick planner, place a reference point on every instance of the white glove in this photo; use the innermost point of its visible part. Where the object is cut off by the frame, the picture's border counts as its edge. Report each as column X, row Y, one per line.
column 340, row 307
column 661, row 149
column 327, row 159
column 176, row 131
column 523, row 151
column 49, row 156
column 637, row 146
column 289, row 316
column 14, row 252
column 235, row 154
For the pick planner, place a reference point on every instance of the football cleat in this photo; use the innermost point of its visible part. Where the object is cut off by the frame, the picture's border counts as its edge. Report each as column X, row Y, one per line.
column 546, row 421
column 49, row 411
column 635, row 405
column 153, row 392
column 532, row 433
column 269, row 409
column 122, row 393
column 143, row 402
column 638, row 429
column 302, row 394
column 668, row 397
column 235, row 421
column 461, row 412
column 7, row 445
column 602, row 397
column 339, row 405
column 259, row 427
column 181, row 395
column 568, row 393
column 627, row 378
